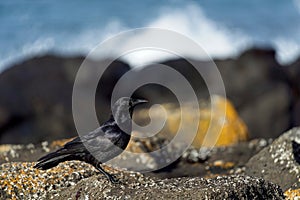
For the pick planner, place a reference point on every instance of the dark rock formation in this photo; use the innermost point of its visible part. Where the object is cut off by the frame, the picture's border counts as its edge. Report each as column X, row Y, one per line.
column 257, row 85
column 255, row 82
column 293, row 72
column 35, row 95
column 277, row 162
column 36, row 98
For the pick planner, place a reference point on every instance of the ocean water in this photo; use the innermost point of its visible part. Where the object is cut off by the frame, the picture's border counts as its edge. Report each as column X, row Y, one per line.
column 222, row 28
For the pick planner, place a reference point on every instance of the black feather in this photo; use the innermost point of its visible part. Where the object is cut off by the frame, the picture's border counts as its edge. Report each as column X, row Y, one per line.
column 105, row 142
column 296, row 151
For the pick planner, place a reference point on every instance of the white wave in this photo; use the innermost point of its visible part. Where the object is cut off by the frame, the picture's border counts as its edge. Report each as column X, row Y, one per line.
column 287, row 50
column 38, row 47
column 213, row 37
column 79, row 43
column 216, row 40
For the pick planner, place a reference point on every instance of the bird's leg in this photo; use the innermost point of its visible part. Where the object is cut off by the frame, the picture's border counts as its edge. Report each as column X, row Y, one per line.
column 108, row 176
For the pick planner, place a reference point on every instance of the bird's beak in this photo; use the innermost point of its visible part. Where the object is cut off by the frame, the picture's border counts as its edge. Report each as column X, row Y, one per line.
column 139, row 101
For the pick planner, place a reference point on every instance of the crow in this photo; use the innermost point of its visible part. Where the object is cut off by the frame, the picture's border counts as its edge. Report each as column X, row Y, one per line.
column 100, row 145
column 296, row 151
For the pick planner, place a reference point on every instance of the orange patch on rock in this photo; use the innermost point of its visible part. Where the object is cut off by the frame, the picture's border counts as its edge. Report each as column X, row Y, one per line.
column 292, row 194
column 218, row 123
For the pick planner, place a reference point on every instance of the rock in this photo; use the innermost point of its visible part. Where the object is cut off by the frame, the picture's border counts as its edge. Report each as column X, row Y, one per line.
column 254, row 81
column 36, row 98
column 276, row 163
column 35, row 95
column 219, row 161
column 292, row 194
column 257, row 86
column 219, row 123
column 232, row 158
column 232, row 187
column 79, row 181
column 136, row 156
column 293, row 71
column 22, row 181
column 29, row 152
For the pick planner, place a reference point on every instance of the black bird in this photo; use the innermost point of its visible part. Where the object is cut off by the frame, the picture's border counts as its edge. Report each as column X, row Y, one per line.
column 100, row 145
column 296, row 151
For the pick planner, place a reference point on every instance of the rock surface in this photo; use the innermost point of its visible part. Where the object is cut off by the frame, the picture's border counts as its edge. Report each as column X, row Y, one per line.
column 35, row 95
column 219, row 123
column 219, row 174
column 79, row 181
column 232, row 187
column 293, row 72
column 257, row 86
column 194, row 162
column 255, row 83
column 36, row 98
column 277, row 162
column 35, row 105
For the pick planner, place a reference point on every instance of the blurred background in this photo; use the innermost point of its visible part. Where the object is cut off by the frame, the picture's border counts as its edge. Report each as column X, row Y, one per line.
column 255, row 45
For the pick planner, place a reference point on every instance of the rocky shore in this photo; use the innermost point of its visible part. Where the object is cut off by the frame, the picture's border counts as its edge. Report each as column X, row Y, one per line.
column 255, row 155
column 36, row 94
column 258, row 169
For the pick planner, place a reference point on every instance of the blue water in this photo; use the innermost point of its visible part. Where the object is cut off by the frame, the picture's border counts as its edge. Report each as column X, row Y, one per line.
column 223, row 28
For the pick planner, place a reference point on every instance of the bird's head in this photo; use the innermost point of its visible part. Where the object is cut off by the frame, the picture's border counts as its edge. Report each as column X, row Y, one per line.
column 134, row 102
column 123, row 108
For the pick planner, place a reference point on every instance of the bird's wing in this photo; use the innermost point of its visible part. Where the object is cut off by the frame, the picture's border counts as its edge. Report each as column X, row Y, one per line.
column 96, row 140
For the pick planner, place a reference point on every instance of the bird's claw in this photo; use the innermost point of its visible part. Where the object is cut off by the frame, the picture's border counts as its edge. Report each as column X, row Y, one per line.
column 113, row 179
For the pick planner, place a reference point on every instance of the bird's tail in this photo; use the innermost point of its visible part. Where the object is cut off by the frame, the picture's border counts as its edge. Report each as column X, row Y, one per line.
column 51, row 160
